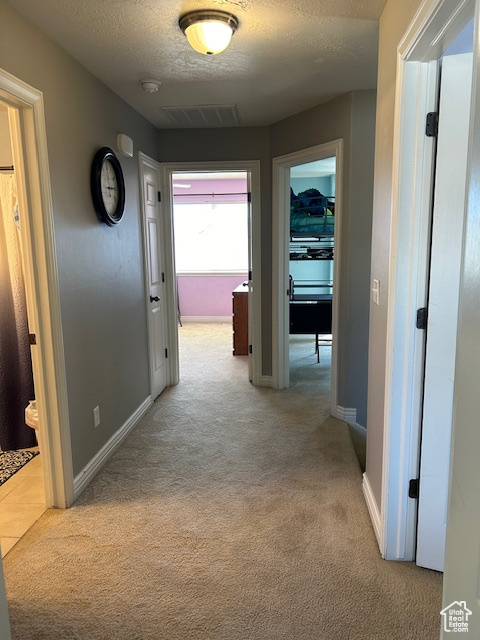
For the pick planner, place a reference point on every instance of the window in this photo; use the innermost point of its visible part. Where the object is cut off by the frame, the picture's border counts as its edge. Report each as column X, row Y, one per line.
column 210, row 216
column 211, row 237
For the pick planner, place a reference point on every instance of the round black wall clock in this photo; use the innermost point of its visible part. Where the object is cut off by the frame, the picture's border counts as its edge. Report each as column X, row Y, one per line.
column 108, row 187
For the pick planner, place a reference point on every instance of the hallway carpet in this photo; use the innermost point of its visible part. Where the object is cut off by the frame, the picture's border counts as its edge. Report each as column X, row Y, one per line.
column 230, row 513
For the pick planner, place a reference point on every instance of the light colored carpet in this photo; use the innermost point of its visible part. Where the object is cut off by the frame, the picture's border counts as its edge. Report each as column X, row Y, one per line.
column 230, row 513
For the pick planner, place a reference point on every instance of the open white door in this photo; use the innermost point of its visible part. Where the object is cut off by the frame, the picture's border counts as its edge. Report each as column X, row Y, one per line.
column 446, row 255
column 250, row 275
column 155, row 274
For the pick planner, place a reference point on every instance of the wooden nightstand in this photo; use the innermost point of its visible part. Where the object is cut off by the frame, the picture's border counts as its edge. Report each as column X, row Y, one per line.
column 240, row 321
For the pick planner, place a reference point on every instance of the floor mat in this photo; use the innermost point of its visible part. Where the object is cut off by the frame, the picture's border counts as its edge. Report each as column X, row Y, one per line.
column 13, row 461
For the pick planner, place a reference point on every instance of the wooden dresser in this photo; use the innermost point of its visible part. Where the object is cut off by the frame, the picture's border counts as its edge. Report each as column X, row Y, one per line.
column 240, row 321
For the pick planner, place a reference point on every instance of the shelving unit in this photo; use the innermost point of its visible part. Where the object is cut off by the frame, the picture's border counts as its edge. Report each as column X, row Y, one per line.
column 311, row 267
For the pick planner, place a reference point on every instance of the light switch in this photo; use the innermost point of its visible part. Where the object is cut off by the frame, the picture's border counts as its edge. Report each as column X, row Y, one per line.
column 376, row 291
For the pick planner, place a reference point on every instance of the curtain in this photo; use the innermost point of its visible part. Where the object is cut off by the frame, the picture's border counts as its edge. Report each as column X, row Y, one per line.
column 16, row 378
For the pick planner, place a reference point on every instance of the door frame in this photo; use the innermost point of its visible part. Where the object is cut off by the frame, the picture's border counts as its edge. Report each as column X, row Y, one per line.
column 280, row 239
column 29, row 140
column 146, row 161
column 434, row 27
column 255, row 296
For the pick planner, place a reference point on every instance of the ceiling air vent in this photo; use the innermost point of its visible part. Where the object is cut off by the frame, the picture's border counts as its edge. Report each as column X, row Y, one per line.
column 210, row 115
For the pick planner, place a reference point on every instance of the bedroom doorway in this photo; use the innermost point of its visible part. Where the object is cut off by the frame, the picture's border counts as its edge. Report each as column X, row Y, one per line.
column 213, row 212
column 311, row 258
column 311, row 268
column 210, row 219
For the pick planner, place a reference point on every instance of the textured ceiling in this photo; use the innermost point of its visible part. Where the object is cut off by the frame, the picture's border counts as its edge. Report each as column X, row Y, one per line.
column 287, row 55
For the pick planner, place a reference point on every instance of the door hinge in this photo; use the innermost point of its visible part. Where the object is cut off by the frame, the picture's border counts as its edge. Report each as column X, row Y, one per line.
column 166, row 353
column 159, row 195
column 431, row 128
column 163, row 277
column 249, row 196
column 250, row 348
column 422, row 315
column 413, row 488
column 250, row 275
column 32, row 338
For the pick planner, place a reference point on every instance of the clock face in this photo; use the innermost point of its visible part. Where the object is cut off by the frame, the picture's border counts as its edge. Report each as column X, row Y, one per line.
column 107, row 186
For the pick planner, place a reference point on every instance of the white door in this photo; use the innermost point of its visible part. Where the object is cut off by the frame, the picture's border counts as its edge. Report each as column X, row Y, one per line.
column 250, row 276
column 155, row 279
column 446, row 255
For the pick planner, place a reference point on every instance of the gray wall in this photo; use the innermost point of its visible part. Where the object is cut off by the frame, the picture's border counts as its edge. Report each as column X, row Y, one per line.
column 351, row 117
column 100, row 268
column 394, row 21
column 359, row 250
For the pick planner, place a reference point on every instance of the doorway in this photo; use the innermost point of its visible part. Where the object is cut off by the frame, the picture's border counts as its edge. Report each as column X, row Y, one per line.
column 311, row 268
column 219, row 190
column 329, row 156
column 24, row 105
column 210, row 214
column 22, row 498
column 211, row 231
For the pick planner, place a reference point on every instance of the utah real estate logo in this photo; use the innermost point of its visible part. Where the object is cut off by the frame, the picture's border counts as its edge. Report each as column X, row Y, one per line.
column 455, row 617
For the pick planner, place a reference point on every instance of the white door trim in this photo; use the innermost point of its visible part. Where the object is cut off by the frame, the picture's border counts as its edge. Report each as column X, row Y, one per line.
column 255, row 320
column 41, row 279
column 280, row 241
column 436, row 25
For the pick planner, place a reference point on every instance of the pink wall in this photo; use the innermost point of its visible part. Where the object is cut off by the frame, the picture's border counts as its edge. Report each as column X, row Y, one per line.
column 207, row 295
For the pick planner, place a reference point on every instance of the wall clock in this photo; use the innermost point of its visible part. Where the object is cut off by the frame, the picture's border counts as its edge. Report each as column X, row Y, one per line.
column 108, row 187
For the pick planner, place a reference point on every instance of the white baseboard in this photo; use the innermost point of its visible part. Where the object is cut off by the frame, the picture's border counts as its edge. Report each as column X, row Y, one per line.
column 187, row 319
column 265, row 381
column 81, row 481
column 374, row 511
column 346, row 414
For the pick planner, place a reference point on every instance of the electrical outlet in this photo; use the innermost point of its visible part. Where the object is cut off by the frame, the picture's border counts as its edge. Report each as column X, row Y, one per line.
column 96, row 417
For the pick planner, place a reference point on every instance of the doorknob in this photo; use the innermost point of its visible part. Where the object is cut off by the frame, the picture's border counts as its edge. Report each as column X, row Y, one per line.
column 154, row 299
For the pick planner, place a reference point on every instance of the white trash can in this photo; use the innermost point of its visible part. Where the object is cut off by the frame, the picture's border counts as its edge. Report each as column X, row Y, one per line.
column 31, row 416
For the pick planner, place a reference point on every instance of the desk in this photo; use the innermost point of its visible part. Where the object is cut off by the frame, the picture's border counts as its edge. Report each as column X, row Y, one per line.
column 311, row 314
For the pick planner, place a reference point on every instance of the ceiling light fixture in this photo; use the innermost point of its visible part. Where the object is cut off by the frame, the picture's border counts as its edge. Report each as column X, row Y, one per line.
column 208, row 31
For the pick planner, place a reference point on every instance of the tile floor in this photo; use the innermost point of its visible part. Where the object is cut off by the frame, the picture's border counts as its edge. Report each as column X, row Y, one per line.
column 22, row 502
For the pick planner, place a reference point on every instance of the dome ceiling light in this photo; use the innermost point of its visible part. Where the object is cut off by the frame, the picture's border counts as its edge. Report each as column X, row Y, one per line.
column 208, row 31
